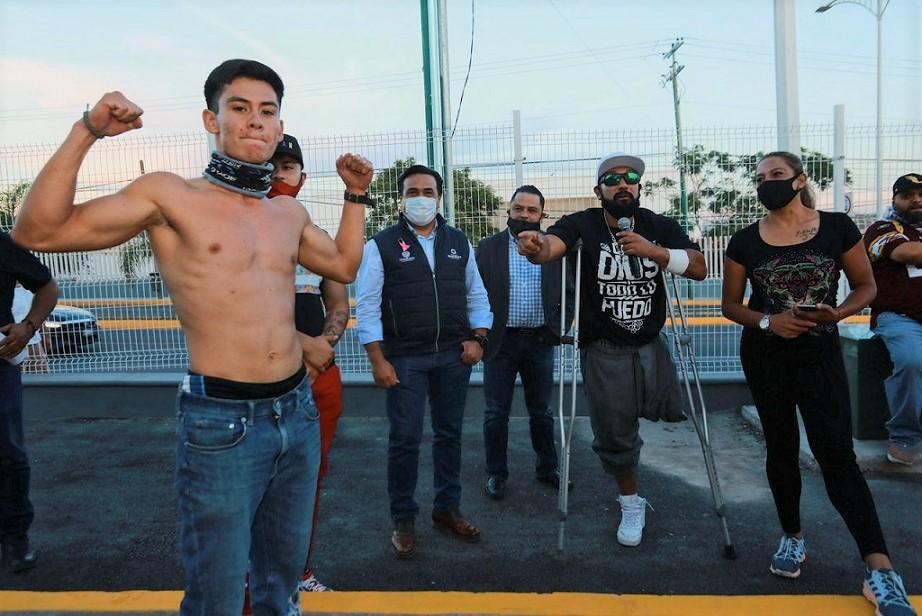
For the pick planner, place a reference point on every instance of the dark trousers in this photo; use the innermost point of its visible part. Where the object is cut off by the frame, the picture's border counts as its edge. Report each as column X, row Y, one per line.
column 808, row 373
column 16, row 511
column 443, row 379
column 533, row 360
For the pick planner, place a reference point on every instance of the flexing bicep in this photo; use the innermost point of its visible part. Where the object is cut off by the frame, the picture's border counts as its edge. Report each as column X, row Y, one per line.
column 98, row 223
column 319, row 254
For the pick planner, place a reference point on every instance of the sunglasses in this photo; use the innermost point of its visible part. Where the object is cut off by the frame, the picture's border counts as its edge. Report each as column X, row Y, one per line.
column 613, row 179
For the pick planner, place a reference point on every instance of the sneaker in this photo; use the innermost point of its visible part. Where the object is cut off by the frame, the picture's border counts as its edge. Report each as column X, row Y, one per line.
column 17, row 558
column 900, row 455
column 309, row 583
column 294, row 604
column 792, row 551
column 884, row 588
column 633, row 519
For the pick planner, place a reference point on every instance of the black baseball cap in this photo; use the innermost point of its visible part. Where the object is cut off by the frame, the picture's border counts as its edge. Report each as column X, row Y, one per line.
column 289, row 147
column 910, row 180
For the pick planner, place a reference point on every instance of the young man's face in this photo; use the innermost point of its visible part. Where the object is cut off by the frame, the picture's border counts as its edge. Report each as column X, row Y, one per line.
column 287, row 170
column 247, row 125
column 526, row 206
column 909, row 204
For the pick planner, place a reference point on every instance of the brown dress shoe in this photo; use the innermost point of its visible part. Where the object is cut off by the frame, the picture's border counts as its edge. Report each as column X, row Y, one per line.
column 404, row 539
column 453, row 522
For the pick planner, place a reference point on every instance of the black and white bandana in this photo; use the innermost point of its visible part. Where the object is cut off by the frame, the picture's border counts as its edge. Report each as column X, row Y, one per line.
column 244, row 178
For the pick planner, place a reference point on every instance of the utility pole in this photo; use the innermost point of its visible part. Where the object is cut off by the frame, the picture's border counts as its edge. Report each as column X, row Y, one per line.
column 786, row 97
column 674, row 70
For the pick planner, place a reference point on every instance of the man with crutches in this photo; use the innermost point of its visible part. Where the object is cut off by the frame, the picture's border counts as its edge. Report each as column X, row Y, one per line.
column 627, row 369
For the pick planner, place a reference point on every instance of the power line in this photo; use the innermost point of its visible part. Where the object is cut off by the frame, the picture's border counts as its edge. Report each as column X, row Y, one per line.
column 470, row 60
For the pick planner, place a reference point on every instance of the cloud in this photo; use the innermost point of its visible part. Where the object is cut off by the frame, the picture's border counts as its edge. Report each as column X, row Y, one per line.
column 31, row 85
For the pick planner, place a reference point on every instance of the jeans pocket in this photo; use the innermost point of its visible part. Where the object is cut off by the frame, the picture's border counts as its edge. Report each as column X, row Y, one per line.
column 212, row 435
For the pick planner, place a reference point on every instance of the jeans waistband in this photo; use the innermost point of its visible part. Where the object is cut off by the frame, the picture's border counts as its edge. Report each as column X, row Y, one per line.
column 278, row 406
column 524, row 331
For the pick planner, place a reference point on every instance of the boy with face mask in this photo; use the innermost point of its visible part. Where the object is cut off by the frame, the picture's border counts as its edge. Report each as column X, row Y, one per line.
column 423, row 316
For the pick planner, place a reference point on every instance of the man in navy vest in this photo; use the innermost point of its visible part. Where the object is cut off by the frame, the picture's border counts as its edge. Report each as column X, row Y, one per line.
column 423, row 315
column 525, row 299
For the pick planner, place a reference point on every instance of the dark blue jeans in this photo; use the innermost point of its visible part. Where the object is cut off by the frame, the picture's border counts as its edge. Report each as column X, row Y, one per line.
column 533, row 360
column 246, row 477
column 443, row 378
column 16, row 511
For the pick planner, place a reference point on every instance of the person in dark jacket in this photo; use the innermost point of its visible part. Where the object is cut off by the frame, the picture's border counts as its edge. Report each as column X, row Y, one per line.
column 423, row 315
column 525, row 300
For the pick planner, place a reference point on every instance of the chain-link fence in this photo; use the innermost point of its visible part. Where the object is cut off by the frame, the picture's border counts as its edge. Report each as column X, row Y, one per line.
column 124, row 319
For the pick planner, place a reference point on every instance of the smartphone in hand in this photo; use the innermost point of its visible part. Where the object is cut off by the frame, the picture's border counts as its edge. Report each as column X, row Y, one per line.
column 806, row 307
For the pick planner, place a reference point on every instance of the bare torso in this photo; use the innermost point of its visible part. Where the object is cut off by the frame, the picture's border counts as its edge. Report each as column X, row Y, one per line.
column 228, row 262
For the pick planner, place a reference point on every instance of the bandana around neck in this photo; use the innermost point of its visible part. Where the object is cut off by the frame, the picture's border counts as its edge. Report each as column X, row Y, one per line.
column 244, row 178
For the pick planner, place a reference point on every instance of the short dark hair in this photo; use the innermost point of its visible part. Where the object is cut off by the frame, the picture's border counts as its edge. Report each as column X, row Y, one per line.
column 419, row 170
column 229, row 70
column 531, row 190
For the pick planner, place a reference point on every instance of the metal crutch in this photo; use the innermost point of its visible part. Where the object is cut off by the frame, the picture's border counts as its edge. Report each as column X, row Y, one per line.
column 686, row 355
column 566, row 428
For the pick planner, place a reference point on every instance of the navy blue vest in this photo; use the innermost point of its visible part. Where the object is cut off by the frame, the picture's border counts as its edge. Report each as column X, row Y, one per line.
column 421, row 311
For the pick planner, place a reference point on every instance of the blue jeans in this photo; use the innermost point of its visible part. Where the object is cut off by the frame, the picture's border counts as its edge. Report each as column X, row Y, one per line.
column 246, row 477
column 16, row 511
column 444, row 378
column 534, row 361
column 903, row 337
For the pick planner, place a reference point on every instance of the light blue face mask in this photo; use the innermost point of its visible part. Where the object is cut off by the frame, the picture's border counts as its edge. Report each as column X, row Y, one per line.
column 420, row 210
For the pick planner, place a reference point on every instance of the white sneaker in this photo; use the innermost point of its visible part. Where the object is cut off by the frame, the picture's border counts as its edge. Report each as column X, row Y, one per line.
column 310, row 583
column 294, row 605
column 633, row 519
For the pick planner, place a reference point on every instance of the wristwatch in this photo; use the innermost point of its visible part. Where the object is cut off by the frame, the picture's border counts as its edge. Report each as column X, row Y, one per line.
column 481, row 340
column 354, row 198
column 764, row 322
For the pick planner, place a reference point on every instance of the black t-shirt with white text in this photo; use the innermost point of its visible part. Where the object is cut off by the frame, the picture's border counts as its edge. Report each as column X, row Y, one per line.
column 805, row 273
column 614, row 305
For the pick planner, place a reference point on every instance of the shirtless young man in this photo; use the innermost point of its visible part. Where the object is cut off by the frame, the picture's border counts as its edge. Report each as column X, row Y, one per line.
column 248, row 441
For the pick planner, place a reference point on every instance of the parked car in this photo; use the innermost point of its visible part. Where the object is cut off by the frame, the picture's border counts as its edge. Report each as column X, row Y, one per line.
column 69, row 330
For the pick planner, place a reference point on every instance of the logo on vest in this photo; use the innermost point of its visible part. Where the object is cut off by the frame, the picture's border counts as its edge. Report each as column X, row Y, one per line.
column 405, row 254
column 454, row 254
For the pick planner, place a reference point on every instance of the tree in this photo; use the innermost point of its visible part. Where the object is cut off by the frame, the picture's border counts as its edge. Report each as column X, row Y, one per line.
column 476, row 202
column 10, row 200
column 720, row 187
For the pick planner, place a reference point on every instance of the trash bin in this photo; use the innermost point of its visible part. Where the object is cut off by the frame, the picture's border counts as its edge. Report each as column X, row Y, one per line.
column 867, row 364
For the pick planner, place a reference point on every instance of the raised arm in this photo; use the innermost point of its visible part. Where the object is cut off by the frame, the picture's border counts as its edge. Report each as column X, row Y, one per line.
column 339, row 259
column 50, row 221
column 540, row 247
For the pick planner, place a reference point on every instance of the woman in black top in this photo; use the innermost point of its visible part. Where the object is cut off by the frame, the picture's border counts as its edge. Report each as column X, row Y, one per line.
column 791, row 357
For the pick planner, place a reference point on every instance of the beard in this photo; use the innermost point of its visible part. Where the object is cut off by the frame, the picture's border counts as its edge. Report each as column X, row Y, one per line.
column 622, row 204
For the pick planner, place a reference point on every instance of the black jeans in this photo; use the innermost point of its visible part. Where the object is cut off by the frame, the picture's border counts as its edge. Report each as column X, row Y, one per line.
column 808, row 373
column 16, row 511
column 533, row 360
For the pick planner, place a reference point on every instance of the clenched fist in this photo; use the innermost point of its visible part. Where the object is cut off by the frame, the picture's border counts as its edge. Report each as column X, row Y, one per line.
column 114, row 114
column 356, row 172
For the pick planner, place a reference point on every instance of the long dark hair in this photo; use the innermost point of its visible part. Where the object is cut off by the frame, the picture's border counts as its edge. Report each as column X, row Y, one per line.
column 807, row 197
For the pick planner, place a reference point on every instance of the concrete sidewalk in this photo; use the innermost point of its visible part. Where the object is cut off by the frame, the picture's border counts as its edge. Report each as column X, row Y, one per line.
column 106, row 520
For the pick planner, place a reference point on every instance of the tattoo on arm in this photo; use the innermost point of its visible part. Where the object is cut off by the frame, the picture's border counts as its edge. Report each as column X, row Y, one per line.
column 805, row 234
column 335, row 324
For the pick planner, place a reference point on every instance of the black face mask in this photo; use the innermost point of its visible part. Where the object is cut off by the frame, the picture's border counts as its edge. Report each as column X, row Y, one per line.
column 621, row 209
column 517, row 226
column 775, row 194
column 244, row 178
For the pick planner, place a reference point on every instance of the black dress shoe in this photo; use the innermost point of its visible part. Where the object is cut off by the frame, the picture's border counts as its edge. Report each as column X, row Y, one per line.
column 495, row 488
column 553, row 479
column 18, row 559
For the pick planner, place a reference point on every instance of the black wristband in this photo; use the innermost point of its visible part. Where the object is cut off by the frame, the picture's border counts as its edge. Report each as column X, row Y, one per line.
column 481, row 340
column 354, row 198
column 93, row 130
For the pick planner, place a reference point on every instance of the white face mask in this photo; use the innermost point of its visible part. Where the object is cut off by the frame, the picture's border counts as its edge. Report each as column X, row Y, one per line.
column 420, row 210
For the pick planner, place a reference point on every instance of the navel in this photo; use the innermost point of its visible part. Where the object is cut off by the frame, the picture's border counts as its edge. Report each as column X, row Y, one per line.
column 214, row 248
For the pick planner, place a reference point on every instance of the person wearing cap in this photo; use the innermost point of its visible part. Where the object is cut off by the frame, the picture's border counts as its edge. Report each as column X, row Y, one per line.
column 422, row 315
column 525, row 300
column 321, row 316
column 894, row 245
column 627, row 370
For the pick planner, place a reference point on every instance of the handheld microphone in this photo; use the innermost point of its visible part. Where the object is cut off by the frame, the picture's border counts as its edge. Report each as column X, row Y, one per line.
column 633, row 262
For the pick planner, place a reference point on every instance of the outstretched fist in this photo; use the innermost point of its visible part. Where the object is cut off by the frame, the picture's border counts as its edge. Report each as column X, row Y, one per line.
column 114, row 114
column 356, row 172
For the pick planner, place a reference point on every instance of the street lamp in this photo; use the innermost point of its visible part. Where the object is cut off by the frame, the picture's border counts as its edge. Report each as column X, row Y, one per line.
column 878, row 15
